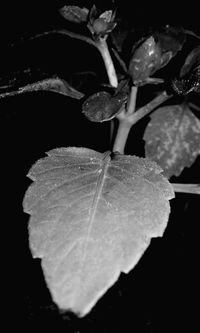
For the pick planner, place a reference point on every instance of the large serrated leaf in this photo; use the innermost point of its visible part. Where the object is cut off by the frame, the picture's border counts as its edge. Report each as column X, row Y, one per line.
column 92, row 217
column 172, row 138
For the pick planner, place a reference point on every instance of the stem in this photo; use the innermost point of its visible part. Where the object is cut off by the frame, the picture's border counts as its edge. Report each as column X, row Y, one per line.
column 194, row 106
column 191, row 33
column 112, row 127
column 143, row 111
column 103, row 48
column 101, row 45
column 125, row 124
column 112, row 76
column 128, row 118
column 132, row 101
column 187, row 188
column 121, row 137
column 121, row 62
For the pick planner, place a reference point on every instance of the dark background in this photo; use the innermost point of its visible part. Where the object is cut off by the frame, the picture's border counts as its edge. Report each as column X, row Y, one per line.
column 159, row 295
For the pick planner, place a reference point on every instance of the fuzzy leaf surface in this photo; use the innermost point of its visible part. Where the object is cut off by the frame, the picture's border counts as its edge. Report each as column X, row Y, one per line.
column 172, row 138
column 92, row 217
column 102, row 106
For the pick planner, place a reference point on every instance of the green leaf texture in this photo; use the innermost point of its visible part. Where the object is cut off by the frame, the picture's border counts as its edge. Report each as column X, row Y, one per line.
column 102, row 106
column 172, row 138
column 92, row 217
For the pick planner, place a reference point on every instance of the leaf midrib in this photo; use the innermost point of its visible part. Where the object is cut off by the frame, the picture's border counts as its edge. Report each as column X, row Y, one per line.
column 95, row 201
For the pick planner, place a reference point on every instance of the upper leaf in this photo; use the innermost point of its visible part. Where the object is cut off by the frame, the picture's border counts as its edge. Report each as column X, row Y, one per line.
column 153, row 53
column 92, row 217
column 145, row 61
column 172, row 138
column 74, row 14
column 55, row 84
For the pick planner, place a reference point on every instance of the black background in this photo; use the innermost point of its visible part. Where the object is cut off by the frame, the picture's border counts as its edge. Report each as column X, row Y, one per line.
column 159, row 294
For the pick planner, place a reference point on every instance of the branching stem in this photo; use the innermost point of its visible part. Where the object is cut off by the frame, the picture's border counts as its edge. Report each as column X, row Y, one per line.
column 128, row 118
column 145, row 110
column 100, row 44
column 124, row 123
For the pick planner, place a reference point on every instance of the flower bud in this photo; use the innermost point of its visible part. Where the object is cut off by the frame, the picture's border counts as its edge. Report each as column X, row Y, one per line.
column 100, row 26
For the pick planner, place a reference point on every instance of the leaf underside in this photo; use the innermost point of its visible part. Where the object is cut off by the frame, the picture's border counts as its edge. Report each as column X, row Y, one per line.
column 55, row 84
column 172, row 138
column 92, row 217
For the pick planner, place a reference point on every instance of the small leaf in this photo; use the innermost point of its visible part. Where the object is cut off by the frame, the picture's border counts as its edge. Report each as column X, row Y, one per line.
column 92, row 217
column 151, row 54
column 189, row 80
column 172, row 138
column 145, row 61
column 189, row 84
column 74, row 14
column 56, row 85
column 103, row 107
column 192, row 61
column 97, row 107
column 193, row 33
column 94, row 13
